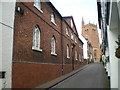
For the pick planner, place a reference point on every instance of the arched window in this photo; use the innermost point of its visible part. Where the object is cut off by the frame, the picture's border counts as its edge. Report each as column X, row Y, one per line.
column 72, row 37
column 76, row 55
column 68, row 55
column 53, row 45
column 53, row 18
column 79, row 58
column 67, row 32
column 36, row 37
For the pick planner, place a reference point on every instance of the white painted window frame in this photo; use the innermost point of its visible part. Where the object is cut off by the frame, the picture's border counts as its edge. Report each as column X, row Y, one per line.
column 67, row 32
column 53, row 46
column 36, row 39
column 75, row 40
column 37, row 5
column 80, row 58
column 52, row 17
column 72, row 36
column 68, row 53
column 76, row 55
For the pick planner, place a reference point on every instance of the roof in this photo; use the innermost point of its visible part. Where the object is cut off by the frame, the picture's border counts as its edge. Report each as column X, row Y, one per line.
column 71, row 17
column 52, row 6
column 57, row 12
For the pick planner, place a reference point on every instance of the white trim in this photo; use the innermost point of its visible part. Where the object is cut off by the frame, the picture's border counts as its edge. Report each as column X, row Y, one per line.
column 75, row 40
column 67, row 32
column 53, row 46
column 37, row 5
column 36, row 41
column 53, row 23
column 38, row 8
column 52, row 17
column 37, row 49
column 68, row 57
column 68, row 35
column 72, row 37
column 53, row 54
column 76, row 55
column 68, row 51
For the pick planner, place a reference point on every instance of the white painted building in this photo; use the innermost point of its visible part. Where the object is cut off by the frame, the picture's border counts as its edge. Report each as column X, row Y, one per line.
column 7, row 12
column 84, row 47
column 109, row 22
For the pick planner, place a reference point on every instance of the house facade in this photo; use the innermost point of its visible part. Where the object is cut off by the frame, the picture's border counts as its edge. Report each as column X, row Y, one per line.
column 46, row 45
column 109, row 23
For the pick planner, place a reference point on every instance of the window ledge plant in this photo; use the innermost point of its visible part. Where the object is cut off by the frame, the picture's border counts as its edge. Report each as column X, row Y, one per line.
column 117, row 53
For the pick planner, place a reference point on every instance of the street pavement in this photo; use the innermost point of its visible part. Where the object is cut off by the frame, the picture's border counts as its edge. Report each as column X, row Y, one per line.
column 93, row 76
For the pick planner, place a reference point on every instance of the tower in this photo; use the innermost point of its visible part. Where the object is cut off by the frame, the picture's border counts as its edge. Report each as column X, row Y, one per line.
column 82, row 22
column 90, row 33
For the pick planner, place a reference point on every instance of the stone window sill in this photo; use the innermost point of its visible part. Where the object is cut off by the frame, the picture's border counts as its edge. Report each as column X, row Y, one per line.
column 54, row 54
column 68, row 57
column 54, row 23
column 37, row 49
column 68, row 35
column 38, row 9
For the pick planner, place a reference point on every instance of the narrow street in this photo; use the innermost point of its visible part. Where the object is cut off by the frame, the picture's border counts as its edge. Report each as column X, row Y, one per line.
column 91, row 77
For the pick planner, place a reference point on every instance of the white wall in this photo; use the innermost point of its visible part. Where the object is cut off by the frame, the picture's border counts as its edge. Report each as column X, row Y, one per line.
column 113, row 60
column 112, row 37
column 119, row 34
column 0, row 43
column 84, row 47
column 8, row 10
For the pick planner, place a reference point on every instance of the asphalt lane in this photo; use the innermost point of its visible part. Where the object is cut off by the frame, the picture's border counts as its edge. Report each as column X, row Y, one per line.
column 91, row 77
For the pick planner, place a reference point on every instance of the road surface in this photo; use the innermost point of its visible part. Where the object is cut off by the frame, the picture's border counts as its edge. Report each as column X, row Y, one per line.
column 92, row 76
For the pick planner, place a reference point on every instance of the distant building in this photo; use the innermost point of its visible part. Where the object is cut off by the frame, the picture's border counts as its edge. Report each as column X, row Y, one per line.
column 90, row 33
column 46, row 45
column 89, row 52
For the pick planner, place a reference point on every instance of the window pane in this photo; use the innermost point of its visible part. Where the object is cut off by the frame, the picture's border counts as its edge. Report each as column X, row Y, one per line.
column 36, row 37
column 67, row 51
column 67, row 31
column 53, row 45
column 52, row 18
column 37, row 4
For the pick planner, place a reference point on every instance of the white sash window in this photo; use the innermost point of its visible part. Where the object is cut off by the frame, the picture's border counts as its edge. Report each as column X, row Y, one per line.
column 68, row 56
column 53, row 46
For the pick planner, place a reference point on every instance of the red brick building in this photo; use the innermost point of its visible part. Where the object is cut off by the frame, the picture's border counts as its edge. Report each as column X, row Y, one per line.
column 46, row 45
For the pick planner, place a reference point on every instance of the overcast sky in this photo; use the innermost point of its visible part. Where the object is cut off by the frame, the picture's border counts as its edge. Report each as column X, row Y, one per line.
column 78, row 9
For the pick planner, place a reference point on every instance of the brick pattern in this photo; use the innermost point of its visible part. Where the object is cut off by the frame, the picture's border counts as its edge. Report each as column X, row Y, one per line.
column 35, row 66
column 27, row 77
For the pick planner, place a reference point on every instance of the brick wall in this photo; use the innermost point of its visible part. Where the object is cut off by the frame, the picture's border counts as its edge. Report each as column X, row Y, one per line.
column 29, row 75
column 31, row 67
column 23, row 36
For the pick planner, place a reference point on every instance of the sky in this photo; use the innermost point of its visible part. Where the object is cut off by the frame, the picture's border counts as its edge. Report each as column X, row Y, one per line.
column 86, row 9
